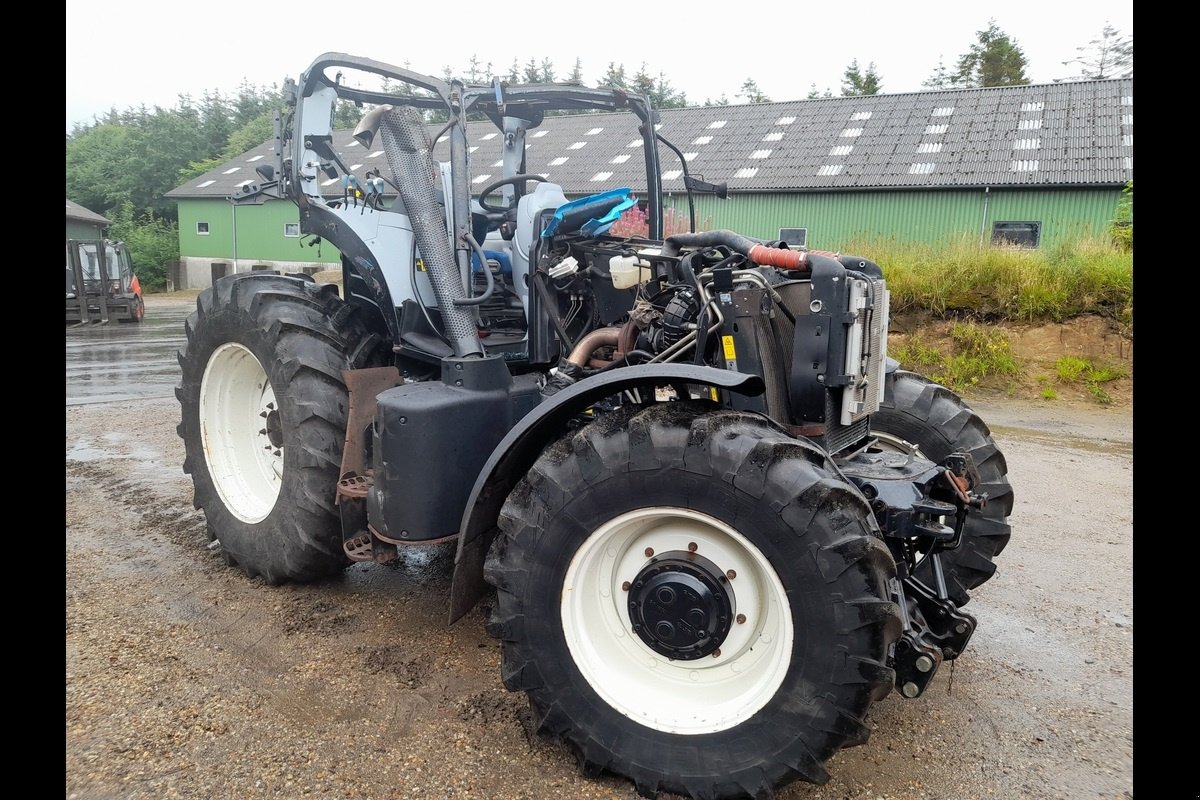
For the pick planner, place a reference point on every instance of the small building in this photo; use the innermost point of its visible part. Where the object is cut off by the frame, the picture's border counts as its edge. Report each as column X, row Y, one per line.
column 1028, row 166
column 84, row 224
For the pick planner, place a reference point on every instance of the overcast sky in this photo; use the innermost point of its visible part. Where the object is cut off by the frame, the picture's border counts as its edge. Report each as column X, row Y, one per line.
column 126, row 53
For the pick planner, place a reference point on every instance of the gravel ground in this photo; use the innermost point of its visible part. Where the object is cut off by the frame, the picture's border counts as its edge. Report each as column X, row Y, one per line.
column 184, row 679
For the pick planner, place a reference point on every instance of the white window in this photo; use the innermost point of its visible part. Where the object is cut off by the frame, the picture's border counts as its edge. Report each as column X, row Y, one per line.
column 202, row 229
column 831, row 169
column 760, row 153
column 291, row 229
column 718, row 124
column 851, row 132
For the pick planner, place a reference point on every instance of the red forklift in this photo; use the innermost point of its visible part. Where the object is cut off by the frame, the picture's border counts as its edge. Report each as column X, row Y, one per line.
column 101, row 286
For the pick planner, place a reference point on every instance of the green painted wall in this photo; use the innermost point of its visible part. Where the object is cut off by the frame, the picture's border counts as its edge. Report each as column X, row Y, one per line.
column 259, row 231
column 83, row 230
column 834, row 219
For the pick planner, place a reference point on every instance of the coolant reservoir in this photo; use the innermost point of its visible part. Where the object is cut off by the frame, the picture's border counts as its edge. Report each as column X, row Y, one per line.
column 627, row 271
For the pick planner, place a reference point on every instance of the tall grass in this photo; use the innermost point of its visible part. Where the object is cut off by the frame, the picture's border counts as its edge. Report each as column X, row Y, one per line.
column 958, row 277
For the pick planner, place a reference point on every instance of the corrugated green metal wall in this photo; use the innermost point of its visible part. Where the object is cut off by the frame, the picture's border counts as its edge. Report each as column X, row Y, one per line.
column 834, row 219
column 259, row 232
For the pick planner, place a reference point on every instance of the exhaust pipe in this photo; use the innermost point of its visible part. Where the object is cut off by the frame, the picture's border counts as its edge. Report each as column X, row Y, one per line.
column 407, row 146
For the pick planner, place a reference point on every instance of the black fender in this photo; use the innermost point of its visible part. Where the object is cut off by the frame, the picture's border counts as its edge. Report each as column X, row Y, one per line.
column 321, row 221
column 520, row 448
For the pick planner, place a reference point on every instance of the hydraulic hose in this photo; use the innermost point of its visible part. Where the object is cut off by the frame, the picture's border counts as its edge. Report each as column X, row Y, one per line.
column 487, row 273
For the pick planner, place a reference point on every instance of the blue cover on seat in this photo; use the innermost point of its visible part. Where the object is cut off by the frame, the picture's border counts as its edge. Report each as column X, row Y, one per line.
column 592, row 215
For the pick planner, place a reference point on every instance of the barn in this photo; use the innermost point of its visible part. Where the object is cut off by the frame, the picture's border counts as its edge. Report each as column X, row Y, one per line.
column 1027, row 166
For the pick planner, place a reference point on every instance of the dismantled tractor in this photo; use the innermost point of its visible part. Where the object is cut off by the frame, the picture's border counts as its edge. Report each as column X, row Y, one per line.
column 719, row 522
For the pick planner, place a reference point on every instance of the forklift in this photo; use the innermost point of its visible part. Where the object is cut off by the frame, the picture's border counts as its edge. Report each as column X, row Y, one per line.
column 101, row 286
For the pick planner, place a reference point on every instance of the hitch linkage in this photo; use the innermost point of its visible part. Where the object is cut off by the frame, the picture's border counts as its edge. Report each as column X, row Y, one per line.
column 921, row 508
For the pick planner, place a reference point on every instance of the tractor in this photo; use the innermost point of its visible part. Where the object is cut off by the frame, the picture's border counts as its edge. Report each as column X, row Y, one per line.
column 712, row 520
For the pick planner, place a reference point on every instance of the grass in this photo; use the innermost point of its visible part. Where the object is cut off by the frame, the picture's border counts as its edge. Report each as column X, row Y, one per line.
column 976, row 355
column 1075, row 370
column 958, row 278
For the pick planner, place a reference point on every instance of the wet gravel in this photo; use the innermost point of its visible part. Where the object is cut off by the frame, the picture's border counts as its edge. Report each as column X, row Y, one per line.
column 185, row 679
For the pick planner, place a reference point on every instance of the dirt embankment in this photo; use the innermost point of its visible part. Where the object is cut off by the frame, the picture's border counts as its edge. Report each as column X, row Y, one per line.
column 1037, row 347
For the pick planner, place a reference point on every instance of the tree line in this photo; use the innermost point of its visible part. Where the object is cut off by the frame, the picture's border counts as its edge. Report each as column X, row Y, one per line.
column 122, row 163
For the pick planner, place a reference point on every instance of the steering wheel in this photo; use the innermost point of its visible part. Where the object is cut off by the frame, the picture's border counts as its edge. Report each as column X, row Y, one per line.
column 494, row 185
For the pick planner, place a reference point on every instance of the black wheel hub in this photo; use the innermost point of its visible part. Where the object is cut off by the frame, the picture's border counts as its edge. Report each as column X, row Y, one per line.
column 274, row 429
column 681, row 605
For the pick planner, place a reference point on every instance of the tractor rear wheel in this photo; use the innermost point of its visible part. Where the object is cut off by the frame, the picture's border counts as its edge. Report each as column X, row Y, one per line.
column 692, row 600
column 264, row 408
column 928, row 420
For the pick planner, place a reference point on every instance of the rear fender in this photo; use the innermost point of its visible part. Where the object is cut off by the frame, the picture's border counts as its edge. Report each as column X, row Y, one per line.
column 520, row 448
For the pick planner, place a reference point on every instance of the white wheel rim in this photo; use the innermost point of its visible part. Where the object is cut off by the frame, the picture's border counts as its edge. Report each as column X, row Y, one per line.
column 239, row 429
column 709, row 694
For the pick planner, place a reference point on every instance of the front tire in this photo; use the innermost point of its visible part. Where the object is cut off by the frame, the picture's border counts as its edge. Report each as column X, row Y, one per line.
column 692, row 600
column 928, row 420
column 264, row 410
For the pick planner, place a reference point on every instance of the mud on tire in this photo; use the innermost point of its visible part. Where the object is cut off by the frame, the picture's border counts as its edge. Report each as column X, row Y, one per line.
column 608, row 511
column 263, row 423
column 922, row 416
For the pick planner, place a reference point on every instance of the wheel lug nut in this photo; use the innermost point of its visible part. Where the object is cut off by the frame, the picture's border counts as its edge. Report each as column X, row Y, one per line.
column 741, row 619
column 625, row 586
column 730, row 574
column 649, row 552
column 692, row 547
column 716, row 653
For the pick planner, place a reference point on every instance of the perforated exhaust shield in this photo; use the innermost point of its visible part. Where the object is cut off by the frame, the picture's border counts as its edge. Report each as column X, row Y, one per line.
column 407, row 147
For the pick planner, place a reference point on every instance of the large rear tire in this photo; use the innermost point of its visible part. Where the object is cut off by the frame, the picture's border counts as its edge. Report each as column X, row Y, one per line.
column 264, row 410
column 692, row 600
column 929, row 420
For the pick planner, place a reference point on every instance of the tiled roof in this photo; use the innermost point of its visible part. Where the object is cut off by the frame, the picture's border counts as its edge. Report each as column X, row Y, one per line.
column 1064, row 134
column 76, row 211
